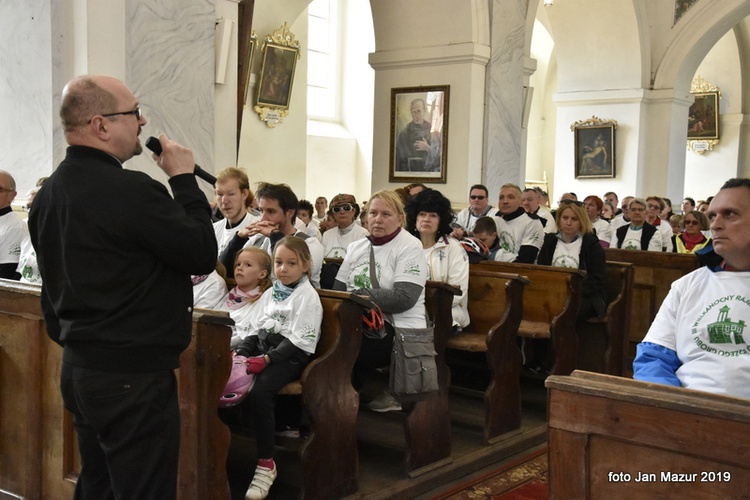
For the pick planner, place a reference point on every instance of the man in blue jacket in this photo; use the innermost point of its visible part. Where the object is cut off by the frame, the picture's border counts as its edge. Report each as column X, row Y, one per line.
column 699, row 338
column 116, row 252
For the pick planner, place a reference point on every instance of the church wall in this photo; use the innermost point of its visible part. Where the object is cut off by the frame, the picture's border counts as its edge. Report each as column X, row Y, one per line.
column 704, row 174
column 278, row 154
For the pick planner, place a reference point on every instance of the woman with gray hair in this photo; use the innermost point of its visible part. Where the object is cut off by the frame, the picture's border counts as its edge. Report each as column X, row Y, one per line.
column 639, row 234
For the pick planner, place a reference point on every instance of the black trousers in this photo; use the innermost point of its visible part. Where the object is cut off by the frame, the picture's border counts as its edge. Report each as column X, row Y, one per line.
column 260, row 402
column 128, row 427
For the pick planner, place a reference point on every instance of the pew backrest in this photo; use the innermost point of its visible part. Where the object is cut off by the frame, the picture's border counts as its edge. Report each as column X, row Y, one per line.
column 653, row 275
column 606, row 432
column 550, row 307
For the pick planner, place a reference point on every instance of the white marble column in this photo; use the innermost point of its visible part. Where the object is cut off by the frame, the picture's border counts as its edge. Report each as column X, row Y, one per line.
column 26, row 91
column 504, row 104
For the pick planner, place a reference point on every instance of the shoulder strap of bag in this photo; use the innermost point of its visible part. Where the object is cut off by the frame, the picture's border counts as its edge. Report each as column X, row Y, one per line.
column 373, row 274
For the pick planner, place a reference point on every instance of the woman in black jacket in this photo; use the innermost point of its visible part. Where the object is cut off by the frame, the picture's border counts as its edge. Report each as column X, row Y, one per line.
column 575, row 245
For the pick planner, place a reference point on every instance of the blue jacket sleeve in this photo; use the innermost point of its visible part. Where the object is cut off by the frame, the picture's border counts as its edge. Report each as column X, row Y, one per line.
column 656, row 363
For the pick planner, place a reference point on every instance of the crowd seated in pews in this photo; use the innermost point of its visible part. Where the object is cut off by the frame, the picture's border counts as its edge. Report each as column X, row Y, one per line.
column 521, row 229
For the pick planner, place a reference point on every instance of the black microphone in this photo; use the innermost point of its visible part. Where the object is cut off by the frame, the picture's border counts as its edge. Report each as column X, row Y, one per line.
column 154, row 145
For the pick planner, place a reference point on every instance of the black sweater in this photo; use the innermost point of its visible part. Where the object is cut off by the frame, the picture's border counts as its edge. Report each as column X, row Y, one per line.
column 116, row 253
column 592, row 260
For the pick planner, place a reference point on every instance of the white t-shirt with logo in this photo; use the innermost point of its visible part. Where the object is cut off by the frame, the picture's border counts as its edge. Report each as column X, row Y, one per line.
column 12, row 233
column 401, row 259
column 513, row 234
column 705, row 319
column 567, row 254
column 336, row 241
column 632, row 240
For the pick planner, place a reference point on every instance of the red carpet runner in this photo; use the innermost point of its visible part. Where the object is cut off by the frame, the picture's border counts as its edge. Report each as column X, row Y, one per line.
column 523, row 479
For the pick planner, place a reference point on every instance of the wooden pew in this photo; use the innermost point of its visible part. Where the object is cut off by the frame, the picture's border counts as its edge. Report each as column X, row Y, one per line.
column 38, row 447
column 653, row 275
column 427, row 426
column 606, row 432
column 602, row 341
column 550, row 307
column 495, row 307
column 329, row 455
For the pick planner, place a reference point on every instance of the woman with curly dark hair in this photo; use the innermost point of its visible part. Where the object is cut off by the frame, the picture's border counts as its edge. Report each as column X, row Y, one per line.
column 429, row 217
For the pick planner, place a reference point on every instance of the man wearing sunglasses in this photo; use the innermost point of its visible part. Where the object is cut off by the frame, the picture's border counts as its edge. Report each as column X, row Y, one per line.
column 479, row 206
column 337, row 239
column 116, row 252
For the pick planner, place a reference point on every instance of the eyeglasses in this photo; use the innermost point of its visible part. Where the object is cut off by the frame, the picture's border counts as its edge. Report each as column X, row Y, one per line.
column 136, row 112
column 477, row 197
column 692, row 222
column 637, row 209
column 345, row 208
column 6, row 190
column 654, row 207
column 571, row 202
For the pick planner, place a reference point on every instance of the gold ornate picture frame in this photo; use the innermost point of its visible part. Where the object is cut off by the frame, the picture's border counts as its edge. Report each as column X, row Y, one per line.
column 281, row 50
column 594, row 148
column 703, row 117
column 251, row 48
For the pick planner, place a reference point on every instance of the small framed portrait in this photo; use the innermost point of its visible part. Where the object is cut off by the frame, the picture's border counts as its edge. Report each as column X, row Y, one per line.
column 277, row 75
column 419, row 134
column 703, row 117
column 594, row 148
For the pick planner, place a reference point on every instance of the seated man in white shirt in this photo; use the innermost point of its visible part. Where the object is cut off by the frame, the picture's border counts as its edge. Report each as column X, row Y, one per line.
column 233, row 198
column 530, row 203
column 478, row 207
column 520, row 235
column 697, row 339
column 278, row 205
column 623, row 218
column 12, row 229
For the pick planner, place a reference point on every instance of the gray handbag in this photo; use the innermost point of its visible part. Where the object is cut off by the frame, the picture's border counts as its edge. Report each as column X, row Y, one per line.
column 413, row 374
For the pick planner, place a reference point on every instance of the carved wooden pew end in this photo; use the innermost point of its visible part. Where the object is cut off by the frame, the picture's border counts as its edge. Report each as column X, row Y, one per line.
column 495, row 307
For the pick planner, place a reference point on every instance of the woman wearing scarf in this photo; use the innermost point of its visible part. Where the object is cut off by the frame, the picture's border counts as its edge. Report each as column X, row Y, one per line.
column 389, row 267
column 692, row 238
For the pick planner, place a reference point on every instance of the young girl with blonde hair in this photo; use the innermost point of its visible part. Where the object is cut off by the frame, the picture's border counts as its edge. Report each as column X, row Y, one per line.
column 283, row 335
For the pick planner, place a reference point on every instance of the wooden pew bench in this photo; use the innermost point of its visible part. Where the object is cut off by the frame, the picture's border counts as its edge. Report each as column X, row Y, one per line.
column 653, row 274
column 427, row 426
column 329, row 455
column 495, row 307
column 602, row 341
column 38, row 445
column 607, row 432
column 550, row 307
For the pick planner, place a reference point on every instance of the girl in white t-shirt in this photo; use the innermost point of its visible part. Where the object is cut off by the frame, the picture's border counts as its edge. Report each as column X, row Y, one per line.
column 284, row 333
column 252, row 273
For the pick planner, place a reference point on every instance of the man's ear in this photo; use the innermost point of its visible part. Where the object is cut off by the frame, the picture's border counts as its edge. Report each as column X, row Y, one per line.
column 99, row 127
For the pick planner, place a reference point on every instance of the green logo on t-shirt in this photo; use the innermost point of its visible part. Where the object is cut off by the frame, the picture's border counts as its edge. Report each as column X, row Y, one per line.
column 724, row 330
